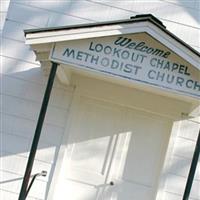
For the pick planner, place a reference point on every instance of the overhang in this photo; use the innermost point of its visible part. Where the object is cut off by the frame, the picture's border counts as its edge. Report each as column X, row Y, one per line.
column 44, row 41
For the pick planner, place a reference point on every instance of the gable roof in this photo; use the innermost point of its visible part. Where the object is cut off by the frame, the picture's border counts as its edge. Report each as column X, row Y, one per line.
column 42, row 40
column 137, row 24
column 135, row 19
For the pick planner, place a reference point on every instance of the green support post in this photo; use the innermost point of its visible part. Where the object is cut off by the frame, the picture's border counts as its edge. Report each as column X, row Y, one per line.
column 23, row 191
column 192, row 170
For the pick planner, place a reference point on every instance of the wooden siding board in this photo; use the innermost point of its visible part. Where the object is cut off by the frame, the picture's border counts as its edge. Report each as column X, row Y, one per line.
column 20, row 114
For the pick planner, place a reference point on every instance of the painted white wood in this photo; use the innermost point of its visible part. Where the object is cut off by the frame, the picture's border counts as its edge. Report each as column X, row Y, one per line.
column 34, row 92
column 28, row 15
column 9, row 50
column 84, row 33
column 189, row 129
column 105, row 56
column 9, row 165
column 28, row 70
column 180, row 161
column 14, row 144
column 184, row 147
column 96, row 154
column 175, row 185
column 18, row 34
column 13, row 182
column 30, row 109
column 132, row 97
column 11, row 195
column 111, row 30
column 3, row 13
column 180, row 166
column 64, row 75
column 20, row 126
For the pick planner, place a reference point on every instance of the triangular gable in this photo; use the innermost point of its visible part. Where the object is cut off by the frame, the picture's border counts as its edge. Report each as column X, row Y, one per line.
column 140, row 50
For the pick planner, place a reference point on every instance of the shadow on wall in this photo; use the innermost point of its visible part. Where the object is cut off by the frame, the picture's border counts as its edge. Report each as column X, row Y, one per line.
column 22, row 90
column 21, row 96
column 100, row 154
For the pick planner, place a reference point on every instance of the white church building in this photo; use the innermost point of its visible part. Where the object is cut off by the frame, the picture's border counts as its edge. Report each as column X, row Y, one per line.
column 100, row 100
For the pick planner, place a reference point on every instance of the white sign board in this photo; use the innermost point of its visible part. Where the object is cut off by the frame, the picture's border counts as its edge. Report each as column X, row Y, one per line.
column 137, row 58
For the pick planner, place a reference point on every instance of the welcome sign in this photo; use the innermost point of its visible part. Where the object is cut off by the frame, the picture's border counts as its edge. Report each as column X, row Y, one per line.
column 136, row 57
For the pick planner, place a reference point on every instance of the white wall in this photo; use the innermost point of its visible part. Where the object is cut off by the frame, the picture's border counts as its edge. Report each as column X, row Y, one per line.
column 186, row 133
column 22, row 85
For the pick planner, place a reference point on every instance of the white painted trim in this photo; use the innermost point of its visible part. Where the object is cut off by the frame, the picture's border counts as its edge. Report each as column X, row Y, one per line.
column 174, row 46
column 166, row 163
column 111, row 30
column 63, row 145
column 83, row 33
column 64, row 75
column 82, row 88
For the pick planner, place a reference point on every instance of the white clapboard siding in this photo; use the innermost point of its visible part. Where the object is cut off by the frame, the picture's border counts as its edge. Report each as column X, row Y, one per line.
column 19, row 126
column 176, row 184
column 14, row 144
column 8, row 195
column 9, row 161
column 3, row 13
column 24, row 83
column 13, row 182
column 30, row 109
column 184, row 147
column 189, row 130
column 27, row 71
column 18, row 33
column 31, row 91
column 15, row 49
column 180, row 163
column 65, row 20
column 28, row 15
column 180, row 166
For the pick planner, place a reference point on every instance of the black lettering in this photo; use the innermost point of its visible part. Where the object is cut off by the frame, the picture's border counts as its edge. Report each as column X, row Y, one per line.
column 94, row 59
column 125, row 54
column 121, row 66
column 186, row 71
column 122, row 41
column 116, row 52
column 131, row 45
column 69, row 52
column 174, row 67
column 158, row 52
column 160, row 76
column 196, row 86
column 139, row 46
column 179, row 81
column 167, row 66
column 187, row 83
column 149, row 50
column 90, row 47
column 142, row 58
column 170, row 79
column 79, row 55
column 143, row 49
column 128, row 68
column 166, row 54
column 105, row 62
column 160, row 63
column 114, row 64
column 136, row 69
column 107, row 50
column 99, row 47
column 153, row 62
column 151, row 74
column 86, row 56
column 181, row 69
